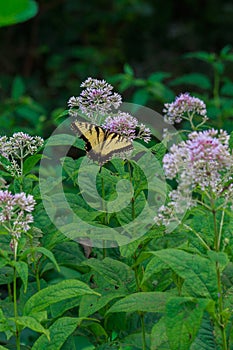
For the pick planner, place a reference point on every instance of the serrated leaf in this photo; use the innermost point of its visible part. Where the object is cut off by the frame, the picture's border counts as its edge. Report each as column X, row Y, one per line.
column 64, row 290
column 92, row 303
column 159, row 339
column 198, row 272
column 45, row 252
column 144, row 301
column 115, row 272
column 183, row 320
column 205, row 339
column 31, row 323
column 219, row 257
column 154, row 266
column 59, row 332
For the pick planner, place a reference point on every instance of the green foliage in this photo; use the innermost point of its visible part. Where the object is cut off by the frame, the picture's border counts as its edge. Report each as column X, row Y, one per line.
column 87, row 277
column 15, row 11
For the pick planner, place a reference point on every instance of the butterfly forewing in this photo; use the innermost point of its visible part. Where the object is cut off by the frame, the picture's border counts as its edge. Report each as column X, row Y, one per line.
column 101, row 145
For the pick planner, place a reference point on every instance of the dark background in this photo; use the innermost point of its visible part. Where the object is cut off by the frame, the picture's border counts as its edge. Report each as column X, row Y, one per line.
column 69, row 40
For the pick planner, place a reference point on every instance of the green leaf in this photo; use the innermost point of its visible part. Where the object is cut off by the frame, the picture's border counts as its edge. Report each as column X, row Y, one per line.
column 183, row 320
column 32, row 323
column 154, row 266
column 158, row 76
column 43, row 251
column 197, row 79
column 160, row 150
column 61, row 140
column 219, row 257
column 59, row 332
column 4, row 161
column 58, row 309
column 144, row 301
column 159, row 339
column 22, row 269
column 128, row 70
column 64, row 290
column 202, row 55
column 30, row 162
column 3, row 348
column 231, row 141
column 15, row 11
column 205, row 339
column 198, row 272
column 141, row 97
column 97, row 329
column 227, row 89
column 91, row 303
column 115, row 272
column 18, row 88
column 133, row 341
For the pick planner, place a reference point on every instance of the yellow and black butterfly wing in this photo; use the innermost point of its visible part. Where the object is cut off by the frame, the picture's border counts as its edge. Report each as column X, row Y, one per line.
column 101, row 145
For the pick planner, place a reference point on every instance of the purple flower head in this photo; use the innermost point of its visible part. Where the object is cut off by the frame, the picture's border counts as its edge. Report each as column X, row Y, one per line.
column 125, row 124
column 203, row 162
column 17, row 147
column 201, row 158
column 15, row 212
column 184, row 107
column 96, row 99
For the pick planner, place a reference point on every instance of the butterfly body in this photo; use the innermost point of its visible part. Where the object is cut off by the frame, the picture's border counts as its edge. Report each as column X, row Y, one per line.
column 101, row 145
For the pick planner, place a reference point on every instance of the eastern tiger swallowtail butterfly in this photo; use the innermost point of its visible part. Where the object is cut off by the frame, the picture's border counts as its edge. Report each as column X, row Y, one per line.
column 101, row 145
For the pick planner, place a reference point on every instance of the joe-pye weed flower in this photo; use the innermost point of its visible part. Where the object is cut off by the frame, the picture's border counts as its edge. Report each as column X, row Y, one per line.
column 16, row 148
column 202, row 164
column 15, row 214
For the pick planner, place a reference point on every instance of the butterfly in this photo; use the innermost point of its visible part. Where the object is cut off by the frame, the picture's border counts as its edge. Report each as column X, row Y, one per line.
column 101, row 145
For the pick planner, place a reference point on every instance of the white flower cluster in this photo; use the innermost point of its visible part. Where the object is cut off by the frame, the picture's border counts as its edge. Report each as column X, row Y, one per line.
column 16, row 148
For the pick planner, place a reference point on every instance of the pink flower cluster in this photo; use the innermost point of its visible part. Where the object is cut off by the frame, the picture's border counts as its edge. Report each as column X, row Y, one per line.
column 97, row 98
column 15, row 212
column 200, row 160
column 184, row 105
column 17, row 147
column 125, row 124
column 202, row 163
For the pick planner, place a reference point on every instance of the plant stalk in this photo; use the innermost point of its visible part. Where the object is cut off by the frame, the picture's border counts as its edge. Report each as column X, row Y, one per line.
column 217, row 241
column 17, row 333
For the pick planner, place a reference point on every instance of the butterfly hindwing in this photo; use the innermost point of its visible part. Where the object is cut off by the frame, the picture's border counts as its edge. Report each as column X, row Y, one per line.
column 101, row 145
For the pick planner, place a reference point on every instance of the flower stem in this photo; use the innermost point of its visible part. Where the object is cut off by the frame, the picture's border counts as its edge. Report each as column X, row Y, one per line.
column 132, row 190
column 105, row 214
column 143, row 332
column 217, row 241
column 198, row 236
column 17, row 333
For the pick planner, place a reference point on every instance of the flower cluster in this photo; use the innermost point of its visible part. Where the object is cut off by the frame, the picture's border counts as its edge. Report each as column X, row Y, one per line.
column 125, row 124
column 200, row 160
column 203, row 162
column 96, row 99
column 15, row 212
column 16, row 148
column 184, row 107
